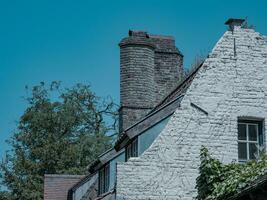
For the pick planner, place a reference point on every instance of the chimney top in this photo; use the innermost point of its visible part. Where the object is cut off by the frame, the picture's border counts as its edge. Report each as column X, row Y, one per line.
column 232, row 22
column 142, row 34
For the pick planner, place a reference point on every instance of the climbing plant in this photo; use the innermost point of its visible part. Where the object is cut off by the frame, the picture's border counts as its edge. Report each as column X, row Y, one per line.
column 218, row 181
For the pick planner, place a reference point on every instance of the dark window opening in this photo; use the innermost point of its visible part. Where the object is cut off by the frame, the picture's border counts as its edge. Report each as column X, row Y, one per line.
column 103, row 180
column 132, row 149
column 250, row 139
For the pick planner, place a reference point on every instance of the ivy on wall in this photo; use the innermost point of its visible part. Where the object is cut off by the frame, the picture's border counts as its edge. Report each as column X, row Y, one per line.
column 218, row 181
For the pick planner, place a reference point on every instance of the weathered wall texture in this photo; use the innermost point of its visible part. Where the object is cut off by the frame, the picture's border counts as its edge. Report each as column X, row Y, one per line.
column 227, row 86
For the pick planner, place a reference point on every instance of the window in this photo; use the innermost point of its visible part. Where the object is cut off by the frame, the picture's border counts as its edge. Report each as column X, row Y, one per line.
column 132, row 149
column 103, row 179
column 250, row 138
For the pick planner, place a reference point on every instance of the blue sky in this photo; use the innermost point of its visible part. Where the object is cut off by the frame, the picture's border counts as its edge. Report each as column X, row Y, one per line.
column 77, row 41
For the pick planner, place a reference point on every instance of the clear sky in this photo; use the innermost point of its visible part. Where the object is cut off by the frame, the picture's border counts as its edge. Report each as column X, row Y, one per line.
column 77, row 41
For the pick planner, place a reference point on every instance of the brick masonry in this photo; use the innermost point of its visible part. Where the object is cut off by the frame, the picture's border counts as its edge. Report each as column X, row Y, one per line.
column 150, row 66
column 231, row 83
column 168, row 65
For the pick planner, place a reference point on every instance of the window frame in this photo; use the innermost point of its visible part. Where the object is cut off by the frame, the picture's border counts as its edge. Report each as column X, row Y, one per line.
column 104, row 179
column 260, row 137
column 131, row 150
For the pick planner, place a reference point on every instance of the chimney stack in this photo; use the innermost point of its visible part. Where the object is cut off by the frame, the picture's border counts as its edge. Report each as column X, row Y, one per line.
column 150, row 67
column 137, row 90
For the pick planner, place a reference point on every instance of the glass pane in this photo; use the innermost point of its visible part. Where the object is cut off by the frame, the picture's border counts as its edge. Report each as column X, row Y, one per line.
column 242, row 151
column 252, row 132
column 242, row 132
column 253, row 151
column 101, row 181
column 106, row 178
column 128, row 152
column 135, row 151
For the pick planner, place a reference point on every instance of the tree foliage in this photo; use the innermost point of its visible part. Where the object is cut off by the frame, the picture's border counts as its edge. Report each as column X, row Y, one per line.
column 218, row 181
column 61, row 131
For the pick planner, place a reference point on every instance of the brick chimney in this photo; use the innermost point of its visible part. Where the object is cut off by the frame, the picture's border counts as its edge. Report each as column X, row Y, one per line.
column 150, row 67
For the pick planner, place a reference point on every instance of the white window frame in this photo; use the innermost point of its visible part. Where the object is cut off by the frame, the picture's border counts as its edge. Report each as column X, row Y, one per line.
column 247, row 141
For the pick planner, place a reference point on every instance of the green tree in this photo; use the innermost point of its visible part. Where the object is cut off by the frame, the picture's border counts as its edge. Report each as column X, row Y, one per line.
column 61, row 131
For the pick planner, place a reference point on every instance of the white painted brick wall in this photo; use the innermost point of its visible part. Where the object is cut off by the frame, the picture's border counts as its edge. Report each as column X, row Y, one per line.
column 226, row 87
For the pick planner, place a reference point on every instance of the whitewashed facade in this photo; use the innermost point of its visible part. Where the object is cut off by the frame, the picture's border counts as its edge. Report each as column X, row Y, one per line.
column 230, row 85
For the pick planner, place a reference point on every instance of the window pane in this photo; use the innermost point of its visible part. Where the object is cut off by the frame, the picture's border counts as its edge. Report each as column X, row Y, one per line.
column 134, row 151
column 128, row 152
column 101, row 181
column 252, row 132
column 253, row 151
column 106, row 178
column 242, row 132
column 242, row 151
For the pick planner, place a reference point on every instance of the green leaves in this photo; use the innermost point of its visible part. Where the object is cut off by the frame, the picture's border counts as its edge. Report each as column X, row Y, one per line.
column 217, row 181
column 61, row 131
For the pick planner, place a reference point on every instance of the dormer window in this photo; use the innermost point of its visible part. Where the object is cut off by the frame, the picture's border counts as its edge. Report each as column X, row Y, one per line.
column 103, row 181
column 132, row 149
column 250, row 139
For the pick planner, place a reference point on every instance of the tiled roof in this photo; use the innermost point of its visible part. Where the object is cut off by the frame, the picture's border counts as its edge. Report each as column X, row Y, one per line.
column 56, row 186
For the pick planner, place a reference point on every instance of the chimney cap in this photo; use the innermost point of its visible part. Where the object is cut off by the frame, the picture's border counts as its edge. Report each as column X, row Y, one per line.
column 234, row 22
column 137, row 33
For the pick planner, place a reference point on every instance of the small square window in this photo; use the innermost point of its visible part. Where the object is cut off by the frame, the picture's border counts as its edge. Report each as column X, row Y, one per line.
column 250, row 138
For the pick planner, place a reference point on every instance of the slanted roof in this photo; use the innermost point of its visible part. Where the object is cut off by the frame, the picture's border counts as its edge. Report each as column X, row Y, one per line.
column 56, row 186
